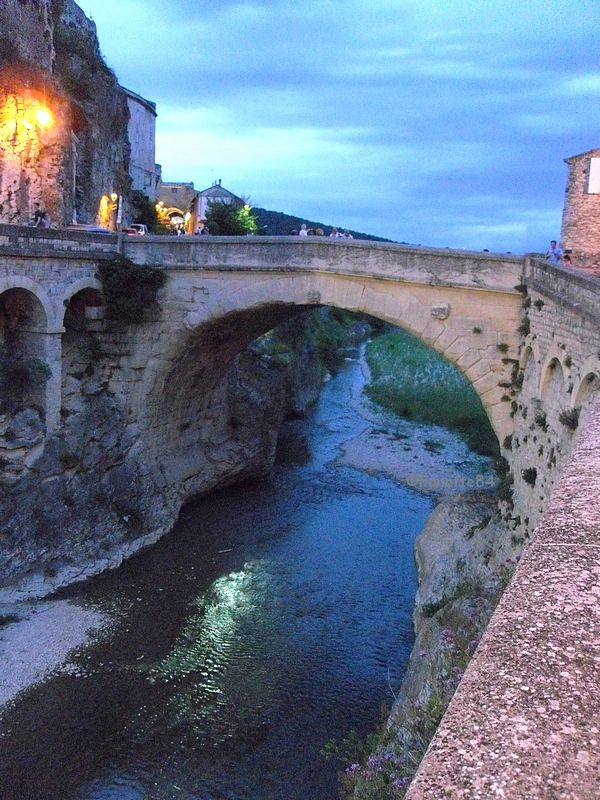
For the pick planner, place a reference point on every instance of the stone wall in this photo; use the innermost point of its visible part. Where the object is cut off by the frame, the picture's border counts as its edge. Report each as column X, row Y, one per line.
column 560, row 375
column 523, row 723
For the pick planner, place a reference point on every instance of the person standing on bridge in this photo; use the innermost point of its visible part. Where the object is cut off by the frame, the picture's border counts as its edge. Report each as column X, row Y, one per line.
column 554, row 253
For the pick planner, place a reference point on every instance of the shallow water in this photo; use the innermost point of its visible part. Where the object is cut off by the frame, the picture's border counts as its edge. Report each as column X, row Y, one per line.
column 275, row 617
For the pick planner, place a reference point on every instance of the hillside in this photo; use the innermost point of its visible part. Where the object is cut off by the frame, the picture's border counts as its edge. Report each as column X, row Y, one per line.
column 274, row 223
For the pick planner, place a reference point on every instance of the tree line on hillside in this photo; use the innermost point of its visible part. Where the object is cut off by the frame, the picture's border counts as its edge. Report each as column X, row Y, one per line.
column 229, row 219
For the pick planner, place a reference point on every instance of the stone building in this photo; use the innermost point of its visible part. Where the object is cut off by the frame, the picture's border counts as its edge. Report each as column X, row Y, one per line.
column 580, row 231
column 145, row 173
column 216, row 194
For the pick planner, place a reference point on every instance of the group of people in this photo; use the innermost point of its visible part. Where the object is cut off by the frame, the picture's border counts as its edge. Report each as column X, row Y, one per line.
column 555, row 255
column 335, row 233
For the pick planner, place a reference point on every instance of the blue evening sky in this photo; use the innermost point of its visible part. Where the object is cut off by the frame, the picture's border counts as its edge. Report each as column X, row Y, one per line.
column 435, row 122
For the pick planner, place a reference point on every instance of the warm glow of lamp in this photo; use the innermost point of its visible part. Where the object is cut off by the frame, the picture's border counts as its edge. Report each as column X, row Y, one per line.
column 44, row 117
column 114, row 197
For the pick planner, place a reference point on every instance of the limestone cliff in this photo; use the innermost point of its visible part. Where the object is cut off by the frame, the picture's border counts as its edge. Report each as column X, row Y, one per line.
column 50, row 59
column 93, row 497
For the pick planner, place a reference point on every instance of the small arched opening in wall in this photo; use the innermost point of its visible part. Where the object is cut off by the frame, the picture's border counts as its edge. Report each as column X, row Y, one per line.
column 24, row 373
column 588, row 388
column 528, row 375
column 584, row 395
column 552, row 377
column 80, row 347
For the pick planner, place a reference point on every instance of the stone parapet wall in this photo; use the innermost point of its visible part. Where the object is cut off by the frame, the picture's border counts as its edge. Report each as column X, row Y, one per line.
column 523, row 723
column 560, row 363
column 17, row 240
column 420, row 265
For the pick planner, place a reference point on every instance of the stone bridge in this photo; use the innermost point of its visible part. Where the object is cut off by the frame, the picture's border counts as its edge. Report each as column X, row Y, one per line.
column 162, row 422
column 465, row 305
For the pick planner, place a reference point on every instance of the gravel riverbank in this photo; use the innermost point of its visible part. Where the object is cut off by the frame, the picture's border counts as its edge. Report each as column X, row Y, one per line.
column 40, row 640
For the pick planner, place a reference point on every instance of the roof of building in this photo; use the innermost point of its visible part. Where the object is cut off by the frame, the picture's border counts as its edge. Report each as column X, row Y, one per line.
column 216, row 190
column 177, row 185
column 594, row 152
column 148, row 104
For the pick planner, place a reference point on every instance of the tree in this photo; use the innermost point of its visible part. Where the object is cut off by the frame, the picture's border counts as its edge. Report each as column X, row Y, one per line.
column 227, row 219
column 144, row 210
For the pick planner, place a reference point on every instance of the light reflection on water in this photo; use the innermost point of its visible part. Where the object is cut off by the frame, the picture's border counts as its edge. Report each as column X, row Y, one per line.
column 272, row 620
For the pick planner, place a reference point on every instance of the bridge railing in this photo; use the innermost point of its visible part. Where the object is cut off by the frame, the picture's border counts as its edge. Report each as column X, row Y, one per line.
column 360, row 258
column 565, row 286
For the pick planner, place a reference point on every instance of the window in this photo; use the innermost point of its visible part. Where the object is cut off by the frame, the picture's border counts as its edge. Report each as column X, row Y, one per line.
column 594, row 179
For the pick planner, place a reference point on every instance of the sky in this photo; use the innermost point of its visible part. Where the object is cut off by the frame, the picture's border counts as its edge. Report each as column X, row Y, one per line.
column 435, row 122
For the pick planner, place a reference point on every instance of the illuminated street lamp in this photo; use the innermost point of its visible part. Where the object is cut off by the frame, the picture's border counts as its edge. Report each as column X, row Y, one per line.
column 44, row 117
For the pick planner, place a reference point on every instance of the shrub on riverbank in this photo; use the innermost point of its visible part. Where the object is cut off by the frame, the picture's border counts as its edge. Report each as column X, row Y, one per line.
column 411, row 379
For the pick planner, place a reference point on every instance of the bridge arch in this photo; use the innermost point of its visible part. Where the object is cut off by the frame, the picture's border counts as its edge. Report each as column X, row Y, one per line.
column 530, row 355
column 475, row 333
column 24, row 374
column 22, row 282
column 529, row 368
column 221, row 322
column 76, row 287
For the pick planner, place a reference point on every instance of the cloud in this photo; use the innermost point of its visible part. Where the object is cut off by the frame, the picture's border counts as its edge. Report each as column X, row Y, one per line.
column 421, row 121
column 587, row 85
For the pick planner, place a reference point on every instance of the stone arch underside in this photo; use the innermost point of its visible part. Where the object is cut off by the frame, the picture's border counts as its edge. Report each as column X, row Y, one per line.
column 80, row 347
column 475, row 331
column 24, row 374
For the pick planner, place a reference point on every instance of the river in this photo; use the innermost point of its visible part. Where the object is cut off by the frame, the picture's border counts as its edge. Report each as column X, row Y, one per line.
column 275, row 617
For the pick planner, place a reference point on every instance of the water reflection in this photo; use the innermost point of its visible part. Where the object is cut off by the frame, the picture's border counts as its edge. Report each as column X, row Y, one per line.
column 219, row 671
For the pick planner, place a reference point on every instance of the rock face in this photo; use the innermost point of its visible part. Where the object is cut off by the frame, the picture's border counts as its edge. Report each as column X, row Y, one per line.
column 94, row 497
column 465, row 560
column 26, row 32
column 78, row 152
column 146, row 422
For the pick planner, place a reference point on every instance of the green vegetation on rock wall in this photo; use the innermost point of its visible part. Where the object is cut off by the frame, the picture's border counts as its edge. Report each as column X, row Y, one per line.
column 129, row 289
column 309, row 345
column 411, row 379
